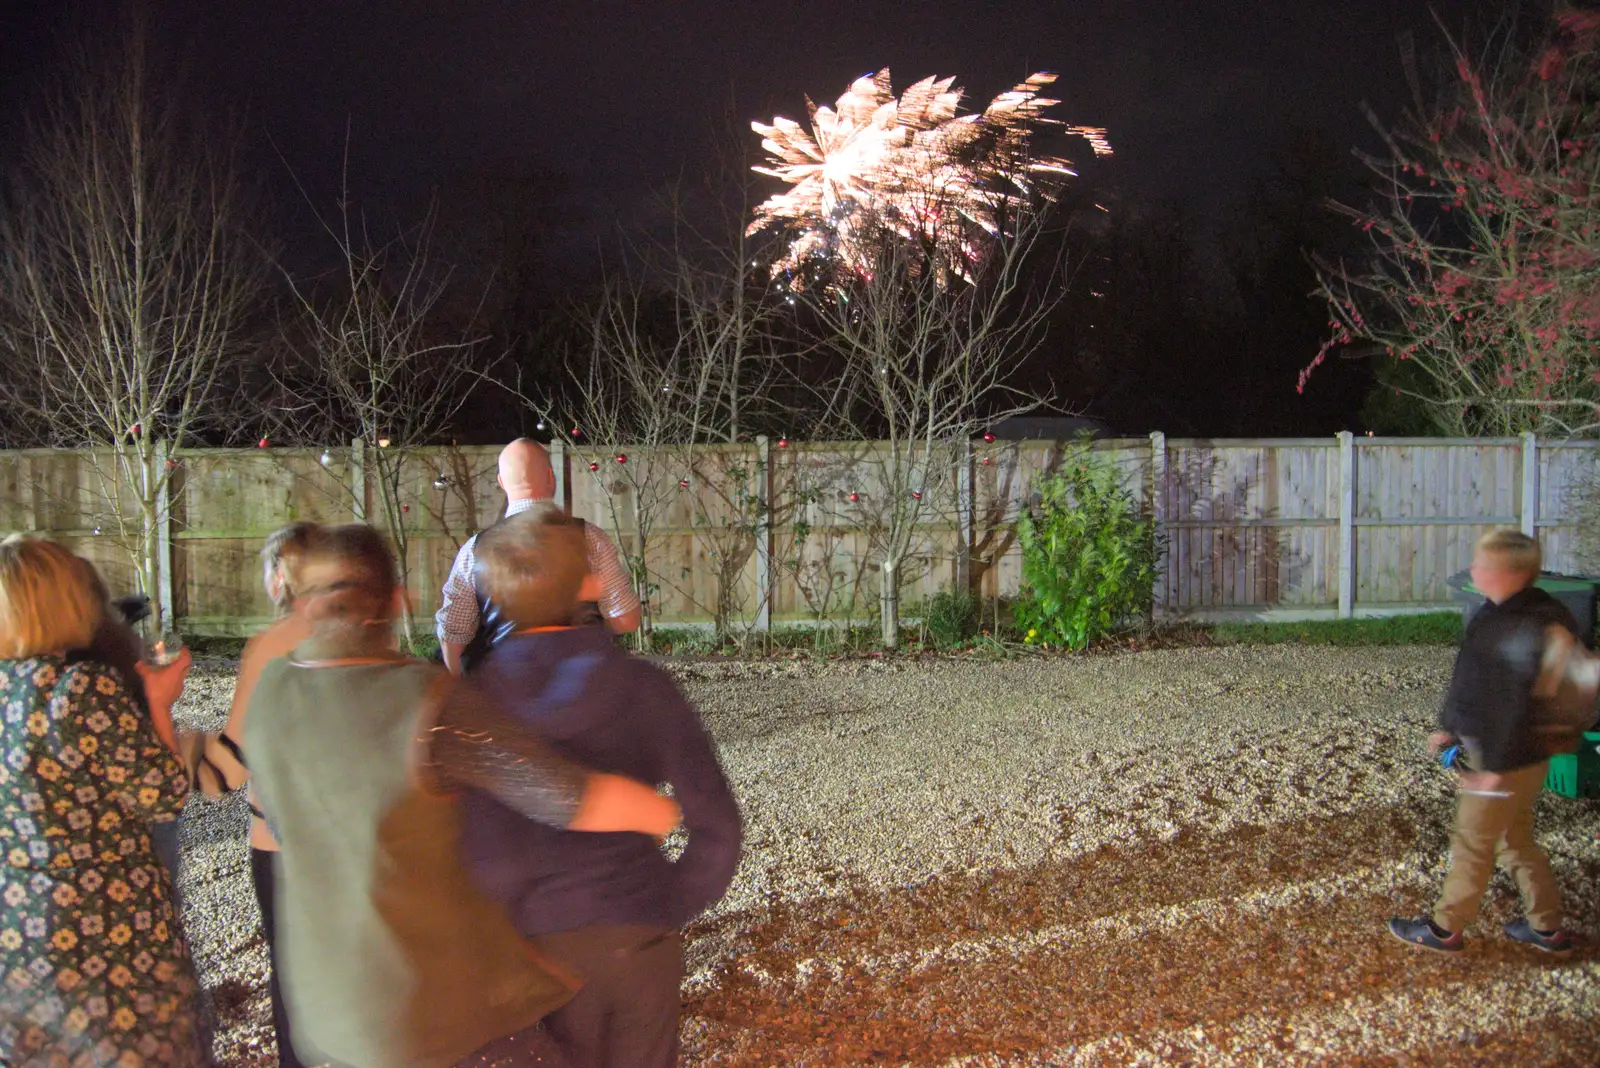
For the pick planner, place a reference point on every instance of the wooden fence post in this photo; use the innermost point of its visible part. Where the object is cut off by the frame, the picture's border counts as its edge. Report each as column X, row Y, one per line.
column 1530, row 484
column 1347, row 524
column 358, row 479
column 764, row 591
column 164, row 536
column 1158, row 509
column 558, row 466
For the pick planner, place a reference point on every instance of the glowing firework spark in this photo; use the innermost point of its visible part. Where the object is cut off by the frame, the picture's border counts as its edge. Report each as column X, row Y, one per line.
column 913, row 165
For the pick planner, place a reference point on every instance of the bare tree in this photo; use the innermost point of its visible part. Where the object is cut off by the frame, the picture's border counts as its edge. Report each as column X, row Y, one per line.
column 625, row 428
column 383, row 362
column 125, row 283
column 926, row 366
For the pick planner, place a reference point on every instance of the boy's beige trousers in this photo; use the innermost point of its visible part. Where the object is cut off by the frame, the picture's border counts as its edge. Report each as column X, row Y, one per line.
column 1492, row 829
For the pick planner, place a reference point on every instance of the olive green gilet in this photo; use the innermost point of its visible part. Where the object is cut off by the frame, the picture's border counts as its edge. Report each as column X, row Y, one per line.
column 390, row 957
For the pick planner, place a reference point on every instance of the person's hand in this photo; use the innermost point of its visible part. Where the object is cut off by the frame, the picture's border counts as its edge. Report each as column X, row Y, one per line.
column 613, row 803
column 164, row 685
column 1438, row 740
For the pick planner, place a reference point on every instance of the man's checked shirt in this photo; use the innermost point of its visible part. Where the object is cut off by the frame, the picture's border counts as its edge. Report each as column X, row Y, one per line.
column 457, row 618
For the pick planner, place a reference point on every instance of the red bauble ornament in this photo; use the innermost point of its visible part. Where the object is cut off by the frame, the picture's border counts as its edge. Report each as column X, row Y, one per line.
column 987, row 436
column 172, row 463
column 135, row 430
column 916, row 495
column 854, row 497
column 622, row 457
column 575, row 432
column 783, row 443
column 262, row 443
column 405, row 508
column 594, row 467
column 986, row 461
column 683, row 482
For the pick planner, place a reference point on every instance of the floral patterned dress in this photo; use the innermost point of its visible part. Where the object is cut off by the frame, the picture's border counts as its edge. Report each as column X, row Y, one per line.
column 93, row 968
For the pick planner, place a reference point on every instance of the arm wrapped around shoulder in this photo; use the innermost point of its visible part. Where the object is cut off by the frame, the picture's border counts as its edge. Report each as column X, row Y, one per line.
column 473, row 742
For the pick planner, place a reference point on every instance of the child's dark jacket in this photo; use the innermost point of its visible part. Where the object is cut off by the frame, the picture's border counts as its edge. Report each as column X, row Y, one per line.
column 616, row 713
column 1490, row 703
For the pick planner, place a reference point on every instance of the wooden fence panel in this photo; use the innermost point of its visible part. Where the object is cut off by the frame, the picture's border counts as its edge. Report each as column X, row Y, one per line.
column 1564, row 470
column 1420, row 506
column 1251, row 526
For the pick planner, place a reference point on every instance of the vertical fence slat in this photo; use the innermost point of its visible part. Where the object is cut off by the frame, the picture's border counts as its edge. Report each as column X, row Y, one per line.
column 558, row 467
column 763, row 526
column 1158, row 512
column 164, row 537
column 1530, row 484
column 1347, row 524
column 358, row 479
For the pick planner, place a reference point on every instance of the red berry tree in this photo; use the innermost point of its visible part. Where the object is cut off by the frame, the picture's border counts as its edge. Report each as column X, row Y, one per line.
column 1482, row 291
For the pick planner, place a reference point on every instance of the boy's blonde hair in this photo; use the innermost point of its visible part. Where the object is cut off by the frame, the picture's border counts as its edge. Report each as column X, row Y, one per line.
column 532, row 565
column 47, row 602
column 1512, row 550
column 284, row 551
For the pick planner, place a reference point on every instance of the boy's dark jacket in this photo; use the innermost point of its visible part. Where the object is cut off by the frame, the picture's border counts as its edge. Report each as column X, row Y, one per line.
column 1490, row 703
column 602, row 708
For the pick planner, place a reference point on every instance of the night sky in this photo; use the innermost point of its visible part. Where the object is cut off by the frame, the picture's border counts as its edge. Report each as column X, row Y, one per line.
column 555, row 127
column 620, row 98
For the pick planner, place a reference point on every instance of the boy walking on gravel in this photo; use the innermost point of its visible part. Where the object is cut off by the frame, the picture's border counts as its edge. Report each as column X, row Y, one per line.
column 607, row 906
column 1494, row 710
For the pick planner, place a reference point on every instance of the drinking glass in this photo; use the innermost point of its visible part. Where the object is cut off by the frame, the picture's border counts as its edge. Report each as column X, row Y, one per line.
column 162, row 649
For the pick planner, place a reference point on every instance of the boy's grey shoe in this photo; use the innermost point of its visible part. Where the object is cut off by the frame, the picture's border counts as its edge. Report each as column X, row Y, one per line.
column 1554, row 942
column 1421, row 932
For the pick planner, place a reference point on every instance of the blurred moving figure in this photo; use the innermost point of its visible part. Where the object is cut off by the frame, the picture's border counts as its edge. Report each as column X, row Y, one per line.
column 93, row 966
column 222, row 765
column 391, row 957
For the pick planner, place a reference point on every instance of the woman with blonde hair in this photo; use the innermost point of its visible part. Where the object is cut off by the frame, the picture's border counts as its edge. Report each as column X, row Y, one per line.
column 93, row 966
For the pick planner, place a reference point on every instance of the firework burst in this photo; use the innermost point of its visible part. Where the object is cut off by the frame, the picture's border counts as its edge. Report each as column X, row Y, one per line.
column 911, row 165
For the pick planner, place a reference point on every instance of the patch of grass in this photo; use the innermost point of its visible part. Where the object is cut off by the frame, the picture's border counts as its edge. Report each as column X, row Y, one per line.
column 1431, row 628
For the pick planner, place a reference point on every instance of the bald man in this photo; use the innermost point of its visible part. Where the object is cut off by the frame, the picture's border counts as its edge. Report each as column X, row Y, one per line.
column 528, row 482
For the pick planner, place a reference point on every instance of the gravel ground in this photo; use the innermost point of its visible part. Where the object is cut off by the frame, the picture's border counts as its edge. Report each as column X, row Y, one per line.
column 1169, row 857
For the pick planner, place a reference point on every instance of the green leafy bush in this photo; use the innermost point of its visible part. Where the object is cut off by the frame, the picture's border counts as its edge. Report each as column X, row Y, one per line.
column 951, row 616
column 1088, row 556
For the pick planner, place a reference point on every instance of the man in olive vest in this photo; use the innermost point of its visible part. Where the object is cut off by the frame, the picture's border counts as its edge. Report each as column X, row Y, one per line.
column 468, row 625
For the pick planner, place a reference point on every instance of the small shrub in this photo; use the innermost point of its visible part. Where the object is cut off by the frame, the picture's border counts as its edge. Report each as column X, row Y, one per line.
column 1088, row 556
column 951, row 616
